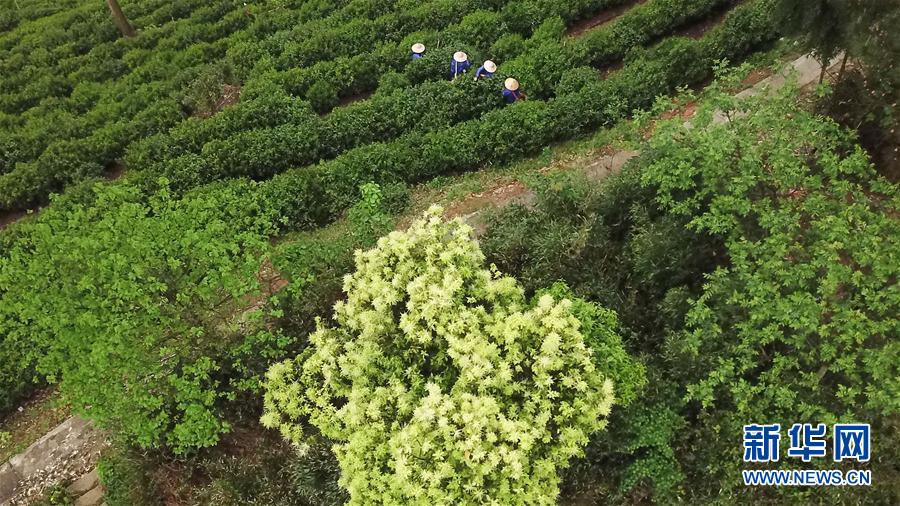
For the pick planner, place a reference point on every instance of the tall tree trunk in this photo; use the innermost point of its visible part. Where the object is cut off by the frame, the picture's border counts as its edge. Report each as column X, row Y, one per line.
column 120, row 19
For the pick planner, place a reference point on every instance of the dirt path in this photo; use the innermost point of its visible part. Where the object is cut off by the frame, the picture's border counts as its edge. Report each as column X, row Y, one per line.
column 602, row 19
column 698, row 29
column 7, row 218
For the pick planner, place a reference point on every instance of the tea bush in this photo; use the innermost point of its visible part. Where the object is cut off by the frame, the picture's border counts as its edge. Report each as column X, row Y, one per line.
column 310, row 195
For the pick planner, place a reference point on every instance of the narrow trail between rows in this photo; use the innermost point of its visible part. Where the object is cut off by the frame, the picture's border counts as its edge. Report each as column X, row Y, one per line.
column 602, row 19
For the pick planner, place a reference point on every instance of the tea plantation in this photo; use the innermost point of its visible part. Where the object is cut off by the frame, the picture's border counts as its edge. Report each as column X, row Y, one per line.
column 208, row 248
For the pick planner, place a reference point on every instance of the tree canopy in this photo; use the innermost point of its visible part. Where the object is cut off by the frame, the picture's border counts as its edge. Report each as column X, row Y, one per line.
column 441, row 383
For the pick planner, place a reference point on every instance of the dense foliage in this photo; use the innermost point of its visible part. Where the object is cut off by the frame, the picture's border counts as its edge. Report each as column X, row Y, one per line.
column 269, row 132
column 754, row 263
column 750, row 264
column 311, row 195
column 440, row 383
column 152, row 333
column 138, row 327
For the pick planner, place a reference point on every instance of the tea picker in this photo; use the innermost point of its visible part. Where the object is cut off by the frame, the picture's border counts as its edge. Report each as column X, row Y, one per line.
column 459, row 64
column 511, row 93
column 486, row 70
column 418, row 50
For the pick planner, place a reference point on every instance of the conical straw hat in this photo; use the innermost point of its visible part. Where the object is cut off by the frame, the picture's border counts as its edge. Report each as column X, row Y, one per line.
column 511, row 84
column 418, row 48
column 460, row 56
column 490, row 66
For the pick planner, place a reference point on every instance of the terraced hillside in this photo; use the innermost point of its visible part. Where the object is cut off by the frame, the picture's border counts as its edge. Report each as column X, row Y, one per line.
column 77, row 100
column 201, row 187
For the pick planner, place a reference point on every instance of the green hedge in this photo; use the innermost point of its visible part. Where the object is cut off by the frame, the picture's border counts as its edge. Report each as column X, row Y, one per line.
column 166, row 57
column 476, row 33
column 261, row 153
column 93, row 115
column 645, row 23
column 52, row 153
column 313, row 195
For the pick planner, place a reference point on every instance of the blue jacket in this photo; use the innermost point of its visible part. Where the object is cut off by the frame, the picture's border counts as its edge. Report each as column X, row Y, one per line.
column 416, row 56
column 457, row 68
column 481, row 72
column 511, row 96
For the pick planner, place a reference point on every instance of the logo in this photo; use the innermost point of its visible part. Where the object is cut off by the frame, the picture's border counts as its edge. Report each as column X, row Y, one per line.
column 850, row 442
column 761, row 442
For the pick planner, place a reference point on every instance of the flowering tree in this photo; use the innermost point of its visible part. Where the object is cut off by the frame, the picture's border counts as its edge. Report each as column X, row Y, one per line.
column 440, row 382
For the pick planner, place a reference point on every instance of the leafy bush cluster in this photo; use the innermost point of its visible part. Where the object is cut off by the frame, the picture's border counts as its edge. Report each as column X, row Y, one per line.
column 78, row 96
column 441, row 383
column 752, row 264
column 110, row 93
column 248, row 148
column 478, row 33
column 545, row 65
column 142, row 330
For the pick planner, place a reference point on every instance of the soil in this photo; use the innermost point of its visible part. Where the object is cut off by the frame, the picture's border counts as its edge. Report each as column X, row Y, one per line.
column 270, row 281
column 115, row 170
column 601, row 19
column 756, row 75
column 611, row 68
column 270, row 278
column 354, row 98
column 698, row 30
column 230, row 95
column 684, row 111
column 494, row 197
column 9, row 217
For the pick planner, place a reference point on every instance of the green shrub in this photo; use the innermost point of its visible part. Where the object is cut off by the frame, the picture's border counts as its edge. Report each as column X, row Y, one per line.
column 316, row 263
column 205, row 90
column 124, row 476
column 323, row 96
column 726, row 250
column 315, row 474
column 141, row 315
column 309, row 195
column 507, row 46
column 391, row 82
column 576, row 79
column 796, row 324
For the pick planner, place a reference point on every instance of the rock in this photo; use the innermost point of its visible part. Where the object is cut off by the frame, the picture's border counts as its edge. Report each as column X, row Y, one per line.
column 93, row 498
column 9, row 480
column 84, row 484
column 56, row 446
